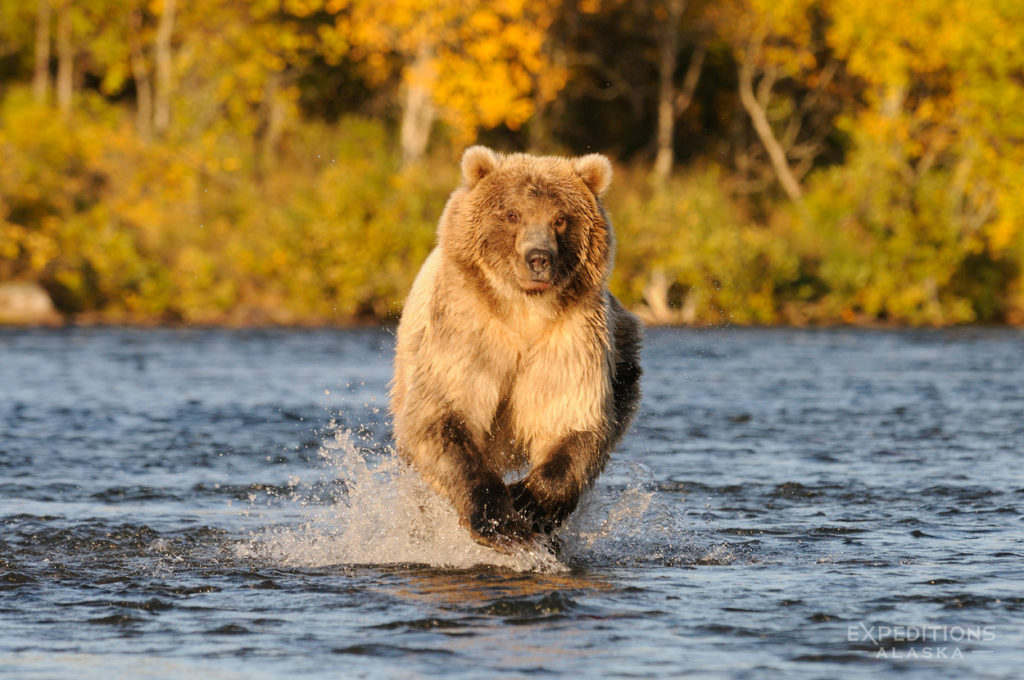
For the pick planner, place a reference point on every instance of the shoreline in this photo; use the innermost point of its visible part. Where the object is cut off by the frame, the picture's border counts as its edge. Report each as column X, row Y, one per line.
column 88, row 321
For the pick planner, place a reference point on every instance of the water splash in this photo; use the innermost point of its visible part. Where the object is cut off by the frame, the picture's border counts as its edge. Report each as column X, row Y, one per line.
column 385, row 513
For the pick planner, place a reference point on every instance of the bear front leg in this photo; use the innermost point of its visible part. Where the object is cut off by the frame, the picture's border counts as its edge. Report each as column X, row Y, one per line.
column 546, row 496
column 479, row 495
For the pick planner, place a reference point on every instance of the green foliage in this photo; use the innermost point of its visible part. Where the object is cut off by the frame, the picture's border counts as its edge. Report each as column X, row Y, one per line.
column 56, row 224
column 122, row 231
column 344, row 240
column 719, row 267
column 226, row 162
column 887, row 251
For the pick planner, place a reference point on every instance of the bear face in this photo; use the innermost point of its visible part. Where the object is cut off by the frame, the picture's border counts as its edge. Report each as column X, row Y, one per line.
column 531, row 225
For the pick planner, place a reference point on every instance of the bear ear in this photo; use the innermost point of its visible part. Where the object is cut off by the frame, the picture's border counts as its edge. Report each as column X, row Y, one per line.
column 477, row 163
column 596, row 172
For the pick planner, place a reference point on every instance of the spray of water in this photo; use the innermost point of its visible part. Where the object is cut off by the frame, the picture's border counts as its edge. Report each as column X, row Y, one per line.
column 386, row 514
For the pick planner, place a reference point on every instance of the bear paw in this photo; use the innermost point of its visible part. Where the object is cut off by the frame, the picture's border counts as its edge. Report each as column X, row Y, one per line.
column 541, row 519
column 497, row 525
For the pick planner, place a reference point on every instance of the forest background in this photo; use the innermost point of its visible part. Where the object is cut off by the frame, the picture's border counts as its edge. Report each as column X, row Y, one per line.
column 285, row 161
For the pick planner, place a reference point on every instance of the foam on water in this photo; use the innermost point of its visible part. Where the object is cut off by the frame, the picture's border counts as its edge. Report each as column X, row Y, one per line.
column 388, row 515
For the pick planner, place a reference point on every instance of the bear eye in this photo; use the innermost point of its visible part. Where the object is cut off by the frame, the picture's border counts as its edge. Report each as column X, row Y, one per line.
column 512, row 216
column 561, row 221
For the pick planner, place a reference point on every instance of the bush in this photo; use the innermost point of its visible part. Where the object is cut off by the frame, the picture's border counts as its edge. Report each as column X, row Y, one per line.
column 120, row 231
column 689, row 243
column 889, row 247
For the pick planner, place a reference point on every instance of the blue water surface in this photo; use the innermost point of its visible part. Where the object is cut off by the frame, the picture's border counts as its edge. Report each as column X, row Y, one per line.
column 789, row 503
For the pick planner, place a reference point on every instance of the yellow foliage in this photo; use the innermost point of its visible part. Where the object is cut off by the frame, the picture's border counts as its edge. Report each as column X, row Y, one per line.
column 247, row 207
column 944, row 86
column 769, row 33
column 483, row 63
column 720, row 267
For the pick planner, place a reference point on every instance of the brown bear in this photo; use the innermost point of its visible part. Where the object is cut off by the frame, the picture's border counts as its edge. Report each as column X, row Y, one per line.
column 511, row 351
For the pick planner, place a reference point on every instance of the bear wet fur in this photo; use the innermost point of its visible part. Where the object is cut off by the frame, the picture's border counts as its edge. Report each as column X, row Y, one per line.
column 512, row 354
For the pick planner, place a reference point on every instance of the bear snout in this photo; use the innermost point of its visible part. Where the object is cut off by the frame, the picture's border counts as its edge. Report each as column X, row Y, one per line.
column 538, row 253
column 539, row 261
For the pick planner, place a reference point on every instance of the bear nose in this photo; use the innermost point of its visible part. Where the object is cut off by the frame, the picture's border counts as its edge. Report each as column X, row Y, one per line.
column 539, row 260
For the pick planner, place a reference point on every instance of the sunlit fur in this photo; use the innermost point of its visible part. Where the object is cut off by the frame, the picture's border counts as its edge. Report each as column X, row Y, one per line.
column 493, row 377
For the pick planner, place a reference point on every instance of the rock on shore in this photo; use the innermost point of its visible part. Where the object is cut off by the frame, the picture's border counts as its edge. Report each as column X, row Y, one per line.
column 22, row 302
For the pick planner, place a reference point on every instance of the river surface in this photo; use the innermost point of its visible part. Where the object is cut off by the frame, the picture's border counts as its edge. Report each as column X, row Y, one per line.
column 225, row 504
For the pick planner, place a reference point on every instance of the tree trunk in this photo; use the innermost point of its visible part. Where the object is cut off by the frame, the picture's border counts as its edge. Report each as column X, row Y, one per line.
column 272, row 123
column 537, row 129
column 162, row 57
column 418, row 112
column 143, row 86
column 685, row 97
column 681, row 102
column 763, row 128
column 656, row 297
column 65, row 60
column 41, row 76
column 668, row 59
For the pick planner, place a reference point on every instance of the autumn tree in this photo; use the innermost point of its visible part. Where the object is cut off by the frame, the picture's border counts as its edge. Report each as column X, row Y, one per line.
column 229, row 160
column 41, row 68
column 783, row 73
column 668, row 17
column 945, row 88
column 474, row 65
column 941, row 119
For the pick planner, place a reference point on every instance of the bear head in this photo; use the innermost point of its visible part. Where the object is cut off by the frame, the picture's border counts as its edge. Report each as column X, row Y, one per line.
column 530, row 225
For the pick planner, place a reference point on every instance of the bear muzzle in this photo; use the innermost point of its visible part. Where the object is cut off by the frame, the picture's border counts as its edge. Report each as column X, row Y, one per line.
column 539, row 262
column 539, row 265
column 538, row 252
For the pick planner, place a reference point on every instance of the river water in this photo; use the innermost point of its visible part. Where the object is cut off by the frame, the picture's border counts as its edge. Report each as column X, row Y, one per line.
column 224, row 504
